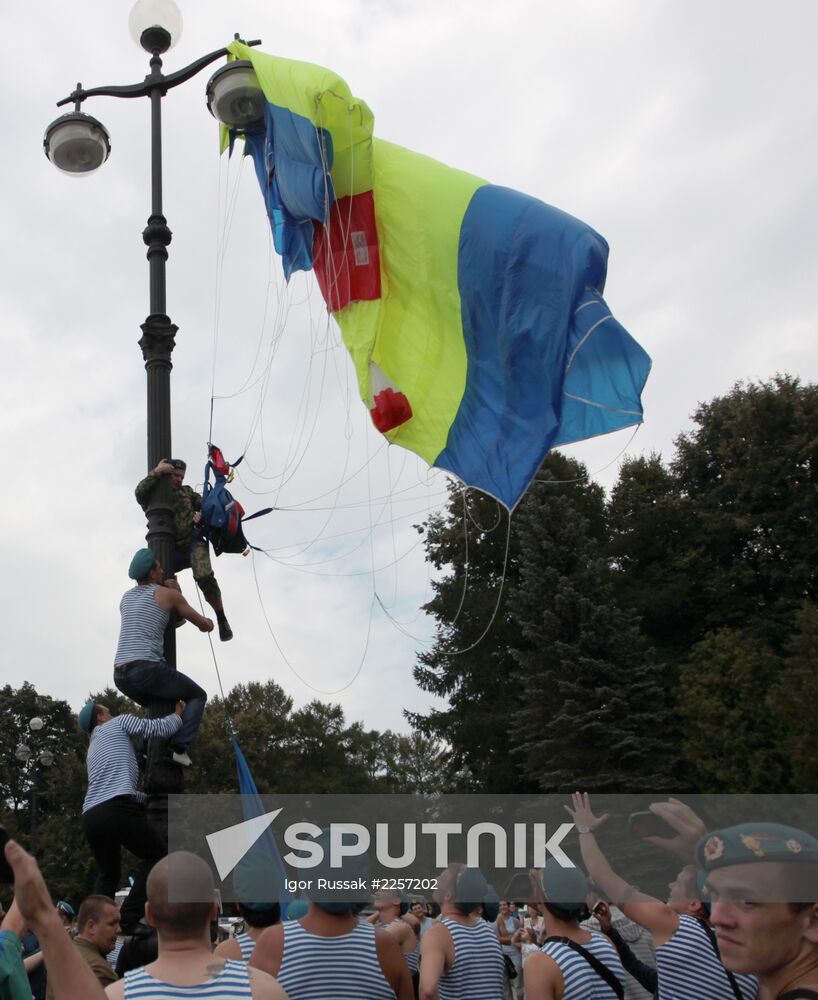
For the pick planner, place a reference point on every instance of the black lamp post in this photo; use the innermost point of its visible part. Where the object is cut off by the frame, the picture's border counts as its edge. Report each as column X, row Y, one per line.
column 43, row 758
column 76, row 143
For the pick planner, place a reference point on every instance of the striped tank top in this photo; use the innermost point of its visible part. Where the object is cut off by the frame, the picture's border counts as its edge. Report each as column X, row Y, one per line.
column 478, row 969
column 689, row 970
column 142, row 632
column 246, row 943
column 231, row 983
column 580, row 981
column 332, row 968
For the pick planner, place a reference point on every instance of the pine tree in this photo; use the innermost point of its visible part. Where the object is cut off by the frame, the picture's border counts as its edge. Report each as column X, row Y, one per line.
column 593, row 712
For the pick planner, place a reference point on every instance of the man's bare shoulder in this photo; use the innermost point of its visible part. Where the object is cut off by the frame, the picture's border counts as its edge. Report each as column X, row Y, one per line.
column 264, row 986
column 116, row 991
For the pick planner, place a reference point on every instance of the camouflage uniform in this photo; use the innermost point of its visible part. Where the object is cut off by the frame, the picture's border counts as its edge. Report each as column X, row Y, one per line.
column 189, row 553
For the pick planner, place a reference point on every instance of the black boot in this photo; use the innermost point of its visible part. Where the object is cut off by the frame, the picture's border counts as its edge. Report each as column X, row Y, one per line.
column 225, row 632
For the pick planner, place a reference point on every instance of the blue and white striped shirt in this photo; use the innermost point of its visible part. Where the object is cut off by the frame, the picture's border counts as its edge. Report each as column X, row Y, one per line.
column 345, row 967
column 112, row 767
column 580, row 981
column 478, row 969
column 231, row 983
column 142, row 631
column 689, row 970
column 246, row 945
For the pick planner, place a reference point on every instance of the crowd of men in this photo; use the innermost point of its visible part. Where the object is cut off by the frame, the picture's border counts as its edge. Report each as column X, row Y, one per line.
column 740, row 923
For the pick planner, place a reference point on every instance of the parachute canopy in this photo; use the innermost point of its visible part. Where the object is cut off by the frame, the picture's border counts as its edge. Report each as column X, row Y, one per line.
column 473, row 313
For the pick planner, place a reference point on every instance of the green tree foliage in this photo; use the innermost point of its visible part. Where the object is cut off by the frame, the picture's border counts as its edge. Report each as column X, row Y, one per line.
column 490, row 686
column 592, row 713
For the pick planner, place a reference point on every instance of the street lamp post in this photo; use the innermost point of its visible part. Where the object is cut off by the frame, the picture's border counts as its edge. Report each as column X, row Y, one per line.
column 77, row 144
column 45, row 758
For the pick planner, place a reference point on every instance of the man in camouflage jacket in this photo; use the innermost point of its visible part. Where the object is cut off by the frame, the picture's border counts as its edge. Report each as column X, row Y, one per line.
column 191, row 551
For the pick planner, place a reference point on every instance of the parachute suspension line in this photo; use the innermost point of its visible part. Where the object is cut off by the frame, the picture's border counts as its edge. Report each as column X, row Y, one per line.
column 391, row 522
column 591, row 475
column 282, row 549
column 484, row 633
column 481, row 527
column 463, row 492
column 224, row 227
column 305, row 682
column 500, row 589
column 213, row 654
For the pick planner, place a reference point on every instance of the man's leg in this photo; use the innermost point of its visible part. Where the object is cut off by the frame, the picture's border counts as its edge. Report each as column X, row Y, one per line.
column 159, row 681
column 143, row 840
column 206, row 581
column 101, row 828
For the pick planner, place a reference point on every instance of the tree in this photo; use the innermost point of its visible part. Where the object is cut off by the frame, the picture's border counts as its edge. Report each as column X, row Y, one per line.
column 750, row 471
column 730, row 735
column 650, row 523
column 592, row 713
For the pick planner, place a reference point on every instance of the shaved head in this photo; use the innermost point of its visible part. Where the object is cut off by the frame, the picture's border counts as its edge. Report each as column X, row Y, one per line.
column 180, row 920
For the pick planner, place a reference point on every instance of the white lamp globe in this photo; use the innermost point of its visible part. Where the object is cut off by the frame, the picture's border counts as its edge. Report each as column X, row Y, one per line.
column 156, row 25
column 36, row 724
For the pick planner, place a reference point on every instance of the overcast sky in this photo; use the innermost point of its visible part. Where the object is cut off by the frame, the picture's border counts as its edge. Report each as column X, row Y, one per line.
column 683, row 132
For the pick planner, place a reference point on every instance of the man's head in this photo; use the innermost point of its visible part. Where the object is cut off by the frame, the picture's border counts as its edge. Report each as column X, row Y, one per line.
column 763, row 885
column 565, row 892
column 98, row 922
column 181, row 921
column 65, row 911
column 387, row 904
column 685, row 896
column 419, row 911
column 177, row 477
column 91, row 715
column 460, row 888
column 145, row 566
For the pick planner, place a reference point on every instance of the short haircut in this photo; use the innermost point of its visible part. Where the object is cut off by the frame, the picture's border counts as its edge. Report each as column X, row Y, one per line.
column 177, row 921
column 93, row 908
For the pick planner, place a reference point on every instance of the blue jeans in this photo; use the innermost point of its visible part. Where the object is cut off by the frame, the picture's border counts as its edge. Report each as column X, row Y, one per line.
column 147, row 680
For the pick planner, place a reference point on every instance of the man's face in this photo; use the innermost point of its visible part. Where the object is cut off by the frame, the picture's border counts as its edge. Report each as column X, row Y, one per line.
column 418, row 911
column 103, row 715
column 386, row 905
column 103, row 933
column 177, row 477
column 157, row 574
column 683, row 890
column 756, row 936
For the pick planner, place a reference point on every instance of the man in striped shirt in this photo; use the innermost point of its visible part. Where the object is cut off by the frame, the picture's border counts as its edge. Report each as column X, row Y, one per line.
column 763, row 882
column 140, row 670
column 186, row 966
column 461, row 956
column 687, row 957
column 113, row 814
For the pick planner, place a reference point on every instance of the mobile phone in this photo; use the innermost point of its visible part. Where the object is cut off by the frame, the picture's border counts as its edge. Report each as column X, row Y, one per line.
column 648, row 824
column 6, row 874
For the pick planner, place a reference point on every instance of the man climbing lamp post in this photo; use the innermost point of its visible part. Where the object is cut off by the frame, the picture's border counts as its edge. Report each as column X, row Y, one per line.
column 77, row 143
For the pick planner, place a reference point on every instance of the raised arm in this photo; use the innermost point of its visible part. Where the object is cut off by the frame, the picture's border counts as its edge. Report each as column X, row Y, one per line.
column 70, row 973
column 151, row 729
column 171, row 598
column 652, row 914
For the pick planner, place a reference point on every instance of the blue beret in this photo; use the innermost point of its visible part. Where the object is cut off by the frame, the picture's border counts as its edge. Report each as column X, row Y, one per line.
column 256, row 881
column 141, row 564
column 297, row 909
column 749, row 843
column 566, row 887
column 86, row 716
